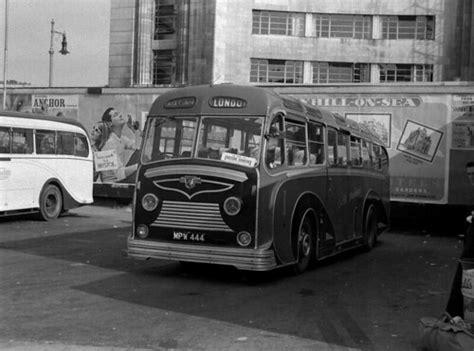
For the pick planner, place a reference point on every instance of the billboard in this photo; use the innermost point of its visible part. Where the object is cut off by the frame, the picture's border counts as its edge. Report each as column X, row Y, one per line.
column 428, row 138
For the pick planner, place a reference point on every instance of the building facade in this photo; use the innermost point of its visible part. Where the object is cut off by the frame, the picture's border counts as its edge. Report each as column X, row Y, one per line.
column 189, row 42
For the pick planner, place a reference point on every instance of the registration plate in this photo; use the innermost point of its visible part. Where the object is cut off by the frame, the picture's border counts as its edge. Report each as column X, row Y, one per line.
column 188, row 236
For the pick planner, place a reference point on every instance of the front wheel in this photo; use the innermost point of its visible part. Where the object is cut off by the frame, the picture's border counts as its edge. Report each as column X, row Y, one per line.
column 305, row 246
column 51, row 203
column 370, row 234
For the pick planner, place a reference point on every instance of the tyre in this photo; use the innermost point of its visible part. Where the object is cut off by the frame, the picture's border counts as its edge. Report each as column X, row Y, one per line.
column 305, row 242
column 51, row 203
column 370, row 231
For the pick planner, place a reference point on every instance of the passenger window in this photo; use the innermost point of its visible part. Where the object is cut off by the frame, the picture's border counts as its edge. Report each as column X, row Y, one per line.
column 296, row 153
column 332, row 147
column 356, row 152
column 65, row 143
column 81, row 147
column 4, row 140
column 377, row 157
column 22, row 141
column 384, row 160
column 316, row 143
column 273, row 155
column 45, row 142
column 366, row 154
column 342, row 140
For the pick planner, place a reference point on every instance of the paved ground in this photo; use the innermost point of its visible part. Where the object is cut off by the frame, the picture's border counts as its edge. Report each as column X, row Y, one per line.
column 68, row 285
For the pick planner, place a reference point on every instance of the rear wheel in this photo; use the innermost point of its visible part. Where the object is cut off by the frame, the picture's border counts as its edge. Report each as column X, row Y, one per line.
column 370, row 235
column 305, row 243
column 51, row 203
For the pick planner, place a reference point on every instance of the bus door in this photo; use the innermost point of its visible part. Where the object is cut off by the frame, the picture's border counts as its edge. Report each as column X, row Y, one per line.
column 339, row 186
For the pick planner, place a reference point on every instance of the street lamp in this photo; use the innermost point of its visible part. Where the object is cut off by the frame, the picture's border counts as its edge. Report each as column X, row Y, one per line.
column 63, row 50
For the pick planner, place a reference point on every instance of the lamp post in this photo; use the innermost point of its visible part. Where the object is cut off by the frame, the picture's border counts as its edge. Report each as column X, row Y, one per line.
column 5, row 58
column 63, row 50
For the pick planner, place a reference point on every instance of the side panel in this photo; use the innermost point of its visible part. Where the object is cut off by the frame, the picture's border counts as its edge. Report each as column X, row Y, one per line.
column 415, row 129
column 75, row 174
column 286, row 196
column 338, row 204
column 25, row 181
column 22, row 178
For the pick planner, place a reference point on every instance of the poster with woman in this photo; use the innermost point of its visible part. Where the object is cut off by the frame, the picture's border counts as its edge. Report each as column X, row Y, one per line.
column 115, row 142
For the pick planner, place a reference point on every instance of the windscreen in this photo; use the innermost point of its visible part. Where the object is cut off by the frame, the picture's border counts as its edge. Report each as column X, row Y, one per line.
column 227, row 139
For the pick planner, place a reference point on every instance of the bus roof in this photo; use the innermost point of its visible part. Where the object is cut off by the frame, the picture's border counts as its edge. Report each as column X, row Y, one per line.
column 204, row 99
column 34, row 116
column 223, row 99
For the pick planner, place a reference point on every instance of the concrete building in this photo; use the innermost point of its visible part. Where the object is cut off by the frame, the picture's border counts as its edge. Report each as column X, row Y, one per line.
column 175, row 42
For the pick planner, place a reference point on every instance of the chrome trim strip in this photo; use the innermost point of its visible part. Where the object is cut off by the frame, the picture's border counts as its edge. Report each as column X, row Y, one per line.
column 247, row 259
column 227, row 187
column 198, row 170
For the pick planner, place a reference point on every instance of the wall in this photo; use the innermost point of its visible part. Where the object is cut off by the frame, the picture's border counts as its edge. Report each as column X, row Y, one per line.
column 201, row 42
column 235, row 44
column 436, row 174
column 85, row 107
column 122, row 27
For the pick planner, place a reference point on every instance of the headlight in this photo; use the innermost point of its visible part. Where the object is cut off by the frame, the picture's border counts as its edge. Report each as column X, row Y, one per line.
column 149, row 202
column 232, row 206
column 244, row 238
column 142, row 231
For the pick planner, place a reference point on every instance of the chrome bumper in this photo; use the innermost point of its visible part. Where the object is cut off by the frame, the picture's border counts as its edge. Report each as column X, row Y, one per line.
column 245, row 259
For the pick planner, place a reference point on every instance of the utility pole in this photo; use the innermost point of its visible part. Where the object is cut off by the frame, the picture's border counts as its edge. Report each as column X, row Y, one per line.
column 5, row 58
column 63, row 50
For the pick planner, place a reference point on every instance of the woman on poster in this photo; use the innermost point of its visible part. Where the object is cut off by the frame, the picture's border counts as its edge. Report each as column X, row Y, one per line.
column 120, row 143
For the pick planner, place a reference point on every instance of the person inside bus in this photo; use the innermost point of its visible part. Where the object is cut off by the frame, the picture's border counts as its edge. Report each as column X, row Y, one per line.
column 46, row 146
column 470, row 172
column 274, row 143
column 119, row 142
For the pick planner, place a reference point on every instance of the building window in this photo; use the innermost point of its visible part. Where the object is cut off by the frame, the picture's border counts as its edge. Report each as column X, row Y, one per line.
column 164, row 63
column 423, row 73
column 340, row 72
column 276, row 71
column 278, row 23
column 165, row 20
column 342, row 26
column 390, row 73
column 408, row 27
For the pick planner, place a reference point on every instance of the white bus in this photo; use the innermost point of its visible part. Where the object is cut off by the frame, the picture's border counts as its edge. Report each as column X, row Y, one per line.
column 46, row 165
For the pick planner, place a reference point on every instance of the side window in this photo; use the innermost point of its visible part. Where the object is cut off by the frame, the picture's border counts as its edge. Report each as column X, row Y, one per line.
column 316, row 143
column 384, row 160
column 296, row 153
column 356, row 152
column 377, row 157
column 366, row 163
column 332, row 147
column 342, row 140
column 4, row 140
column 45, row 142
column 65, row 143
column 274, row 158
column 22, row 141
column 81, row 147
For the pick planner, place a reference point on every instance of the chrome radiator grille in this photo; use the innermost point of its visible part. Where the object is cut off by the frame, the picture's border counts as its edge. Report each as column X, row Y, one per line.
column 191, row 215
